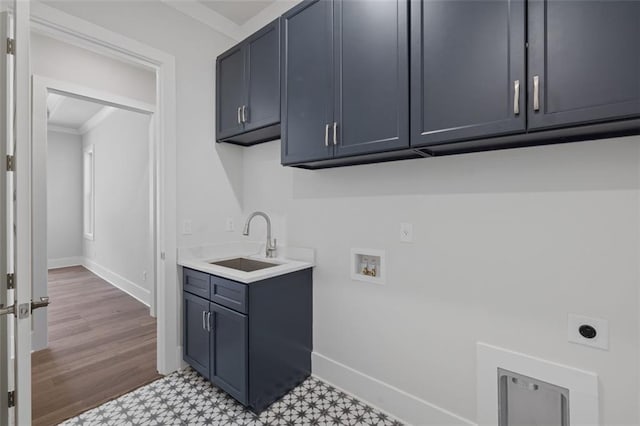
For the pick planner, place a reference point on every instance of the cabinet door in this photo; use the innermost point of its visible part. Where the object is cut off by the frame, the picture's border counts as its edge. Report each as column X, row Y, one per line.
column 229, row 351
column 231, row 92
column 307, row 85
column 586, row 57
column 263, row 77
column 196, row 344
column 372, row 76
column 467, row 57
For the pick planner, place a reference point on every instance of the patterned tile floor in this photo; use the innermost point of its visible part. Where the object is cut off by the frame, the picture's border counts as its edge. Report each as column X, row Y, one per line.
column 186, row 398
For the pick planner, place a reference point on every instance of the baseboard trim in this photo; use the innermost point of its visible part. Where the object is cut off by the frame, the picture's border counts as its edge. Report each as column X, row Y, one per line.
column 129, row 287
column 65, row 262
column 399, row 404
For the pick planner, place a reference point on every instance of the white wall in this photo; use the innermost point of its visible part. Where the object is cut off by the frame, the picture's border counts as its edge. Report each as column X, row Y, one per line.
column 209, row 187
column 507, row 243
column 64, row 198
column 62, row 61
column 122, row 243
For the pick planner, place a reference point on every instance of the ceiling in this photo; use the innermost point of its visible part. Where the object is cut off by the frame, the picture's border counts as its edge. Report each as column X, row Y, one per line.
column 71, row 114
column 238, row 11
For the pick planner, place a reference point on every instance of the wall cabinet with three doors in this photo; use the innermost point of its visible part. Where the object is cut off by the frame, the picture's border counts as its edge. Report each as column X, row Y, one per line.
column 366, row 81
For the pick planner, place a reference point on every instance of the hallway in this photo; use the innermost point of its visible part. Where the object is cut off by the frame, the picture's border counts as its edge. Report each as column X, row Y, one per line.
column 102, row 344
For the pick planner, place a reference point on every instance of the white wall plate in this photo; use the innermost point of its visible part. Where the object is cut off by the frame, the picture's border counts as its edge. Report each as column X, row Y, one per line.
column 601, row 326
column 378, row 256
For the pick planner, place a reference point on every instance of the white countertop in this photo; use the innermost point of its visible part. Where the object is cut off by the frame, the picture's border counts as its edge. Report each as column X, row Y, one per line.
column 290, row 259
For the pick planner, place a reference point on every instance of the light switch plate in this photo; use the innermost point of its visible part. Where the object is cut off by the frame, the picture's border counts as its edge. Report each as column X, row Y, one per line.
column 600, row 341
column 406, row 232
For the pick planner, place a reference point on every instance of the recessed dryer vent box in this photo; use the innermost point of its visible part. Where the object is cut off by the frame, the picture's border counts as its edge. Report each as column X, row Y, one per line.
column 528, row 401
column 368, row 265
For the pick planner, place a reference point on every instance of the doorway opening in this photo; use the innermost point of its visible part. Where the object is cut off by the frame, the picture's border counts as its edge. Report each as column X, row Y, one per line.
column 99, row 336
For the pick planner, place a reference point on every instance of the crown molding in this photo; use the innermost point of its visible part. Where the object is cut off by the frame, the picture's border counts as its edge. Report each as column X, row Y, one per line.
column 96, row 119
column 62, row 129
column 55, row 107
column 266, row 15
column 207, row 16
column 93, row 122
column 224, row 25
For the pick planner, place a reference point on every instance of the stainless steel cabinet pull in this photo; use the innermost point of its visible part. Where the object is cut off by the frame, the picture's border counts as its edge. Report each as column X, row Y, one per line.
column 239, row 120
column 335, row 133
column 209, row 321
column 326, row 135
column 536, row 93
column 516, row 97
column 204, row 320
column 244, row 113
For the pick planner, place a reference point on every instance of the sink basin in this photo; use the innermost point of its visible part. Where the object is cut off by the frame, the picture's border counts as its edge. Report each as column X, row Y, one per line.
column 244, row 264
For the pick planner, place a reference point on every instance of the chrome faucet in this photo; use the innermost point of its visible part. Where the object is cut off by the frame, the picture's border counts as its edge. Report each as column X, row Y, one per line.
column 271, row 245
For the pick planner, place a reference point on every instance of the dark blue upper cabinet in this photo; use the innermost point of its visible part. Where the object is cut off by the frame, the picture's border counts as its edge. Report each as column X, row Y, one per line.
column 372, row 76
column 345, row 89
column 307, row 82
column 230, row 88
column 263, row 78
column 248, row 89
column 584, row 58
column 467, row 70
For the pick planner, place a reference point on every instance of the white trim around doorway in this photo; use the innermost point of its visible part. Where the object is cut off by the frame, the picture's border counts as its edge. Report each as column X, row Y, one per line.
column 54, row 23
column 41, row 87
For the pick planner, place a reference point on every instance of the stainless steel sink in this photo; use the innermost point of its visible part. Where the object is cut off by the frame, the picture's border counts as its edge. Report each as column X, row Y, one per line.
column 244, row 264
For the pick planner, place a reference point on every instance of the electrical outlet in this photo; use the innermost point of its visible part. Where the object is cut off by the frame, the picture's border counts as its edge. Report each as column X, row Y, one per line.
column 186, row 227
column 144, row 275
column 406, row 232
column 230, row 225
column 588, row 331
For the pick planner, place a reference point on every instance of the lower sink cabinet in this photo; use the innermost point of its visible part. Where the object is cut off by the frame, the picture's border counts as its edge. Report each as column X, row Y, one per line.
column 256, row 355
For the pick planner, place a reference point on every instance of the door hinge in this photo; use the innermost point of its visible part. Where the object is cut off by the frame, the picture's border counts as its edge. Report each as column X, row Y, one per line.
column 11, row 164
column 11, row 46
column 12, row 399
column 11, row 281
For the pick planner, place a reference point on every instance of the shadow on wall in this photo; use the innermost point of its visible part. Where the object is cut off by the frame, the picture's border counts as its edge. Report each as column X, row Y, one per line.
column 611, row 164
column 231, row 160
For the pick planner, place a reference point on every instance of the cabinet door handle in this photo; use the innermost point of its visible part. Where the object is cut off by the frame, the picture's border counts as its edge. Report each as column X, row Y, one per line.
column 239, row 120
column 204, row 321
column 209, row 321
column 335, row 133
column 326, row 135
column 536, row 93
column 244, row 113
column 516, row 97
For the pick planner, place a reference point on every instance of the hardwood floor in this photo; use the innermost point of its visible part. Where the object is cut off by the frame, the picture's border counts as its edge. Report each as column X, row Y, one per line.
column 102, row 344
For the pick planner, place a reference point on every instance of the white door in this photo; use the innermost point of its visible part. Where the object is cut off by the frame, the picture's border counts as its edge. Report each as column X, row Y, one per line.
column 15, row 216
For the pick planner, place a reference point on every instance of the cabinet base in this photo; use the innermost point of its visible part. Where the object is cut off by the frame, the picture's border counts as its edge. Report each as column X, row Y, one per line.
column 263, row 134
column 259, row 406
column 544, row 137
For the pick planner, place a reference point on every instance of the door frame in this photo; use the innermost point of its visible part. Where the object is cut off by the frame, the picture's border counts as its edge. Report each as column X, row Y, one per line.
column 22, row 215
column 70, row 29
column 41, row 87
